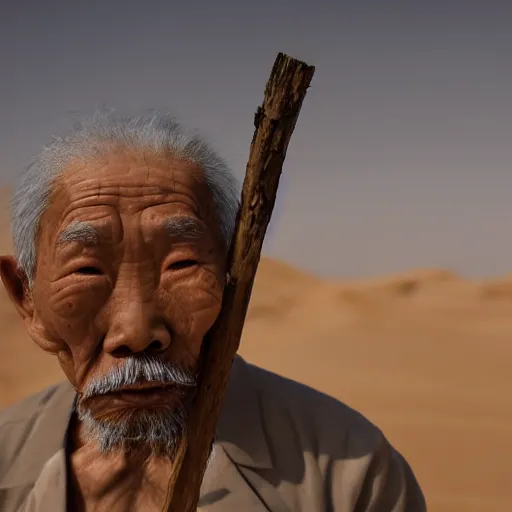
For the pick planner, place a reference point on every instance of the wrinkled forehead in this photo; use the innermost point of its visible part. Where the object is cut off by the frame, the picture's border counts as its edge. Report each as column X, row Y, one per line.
column 93, row 198
column 125, row 168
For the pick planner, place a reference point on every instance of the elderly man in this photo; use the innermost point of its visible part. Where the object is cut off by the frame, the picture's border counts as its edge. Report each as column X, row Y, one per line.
column 121, row 231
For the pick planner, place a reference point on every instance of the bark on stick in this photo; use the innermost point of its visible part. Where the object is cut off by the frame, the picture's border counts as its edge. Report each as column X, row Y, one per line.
column 274, row 122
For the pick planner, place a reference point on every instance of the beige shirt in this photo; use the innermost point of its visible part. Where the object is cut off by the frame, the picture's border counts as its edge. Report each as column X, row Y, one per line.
column 281, row 447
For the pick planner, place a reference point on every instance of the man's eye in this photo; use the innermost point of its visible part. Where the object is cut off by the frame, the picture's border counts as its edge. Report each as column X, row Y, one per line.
column 89, row 271
column 179, row 265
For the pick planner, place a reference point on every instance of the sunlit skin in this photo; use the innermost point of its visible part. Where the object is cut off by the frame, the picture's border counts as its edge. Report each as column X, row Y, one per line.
column 137, row 289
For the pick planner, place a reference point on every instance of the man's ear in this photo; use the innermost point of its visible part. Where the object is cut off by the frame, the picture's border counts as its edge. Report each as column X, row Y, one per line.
column 16, row 284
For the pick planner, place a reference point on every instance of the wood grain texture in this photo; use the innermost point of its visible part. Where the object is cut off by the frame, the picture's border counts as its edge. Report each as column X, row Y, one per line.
column 274, row 124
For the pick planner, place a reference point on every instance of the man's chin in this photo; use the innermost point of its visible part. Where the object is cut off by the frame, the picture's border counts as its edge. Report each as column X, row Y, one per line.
column 157, row 426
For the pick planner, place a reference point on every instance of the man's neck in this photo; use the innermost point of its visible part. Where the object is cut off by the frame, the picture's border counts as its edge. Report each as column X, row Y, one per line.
column 123, row 479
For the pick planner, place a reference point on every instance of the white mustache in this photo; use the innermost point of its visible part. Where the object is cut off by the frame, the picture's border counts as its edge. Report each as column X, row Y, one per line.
column 139, row 369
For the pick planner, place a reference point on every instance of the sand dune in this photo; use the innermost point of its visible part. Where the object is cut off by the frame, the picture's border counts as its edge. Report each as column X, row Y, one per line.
column 424, row 354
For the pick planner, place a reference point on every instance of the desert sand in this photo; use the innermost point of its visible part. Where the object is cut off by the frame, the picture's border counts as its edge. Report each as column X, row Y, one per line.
column 425, row 355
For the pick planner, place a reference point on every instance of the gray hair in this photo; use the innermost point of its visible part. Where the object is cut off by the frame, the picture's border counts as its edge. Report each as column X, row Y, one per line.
column 154, row 132
column 136, row 369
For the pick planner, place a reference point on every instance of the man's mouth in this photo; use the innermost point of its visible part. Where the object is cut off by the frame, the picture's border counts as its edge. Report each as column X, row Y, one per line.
column 145, row 394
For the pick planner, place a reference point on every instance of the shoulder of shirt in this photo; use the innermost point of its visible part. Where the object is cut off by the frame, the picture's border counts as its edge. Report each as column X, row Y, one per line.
column 26, row 409
column 299, row 418
column 19, row 422
column 31, row 431
column 314, row 414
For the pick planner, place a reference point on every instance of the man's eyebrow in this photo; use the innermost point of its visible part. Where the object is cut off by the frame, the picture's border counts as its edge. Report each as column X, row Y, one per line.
column 183, row 227
column 80, row 231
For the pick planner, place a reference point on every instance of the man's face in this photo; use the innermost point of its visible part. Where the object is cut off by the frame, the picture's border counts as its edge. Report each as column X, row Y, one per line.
column 129, row 279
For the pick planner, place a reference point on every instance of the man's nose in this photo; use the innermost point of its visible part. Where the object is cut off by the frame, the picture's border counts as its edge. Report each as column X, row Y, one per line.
column 135, row 328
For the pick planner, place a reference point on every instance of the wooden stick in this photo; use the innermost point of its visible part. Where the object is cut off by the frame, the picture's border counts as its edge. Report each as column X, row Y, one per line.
column 274, row 121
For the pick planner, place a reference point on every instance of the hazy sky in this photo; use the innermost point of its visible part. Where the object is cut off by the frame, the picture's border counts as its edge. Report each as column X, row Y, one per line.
column 402, row 154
